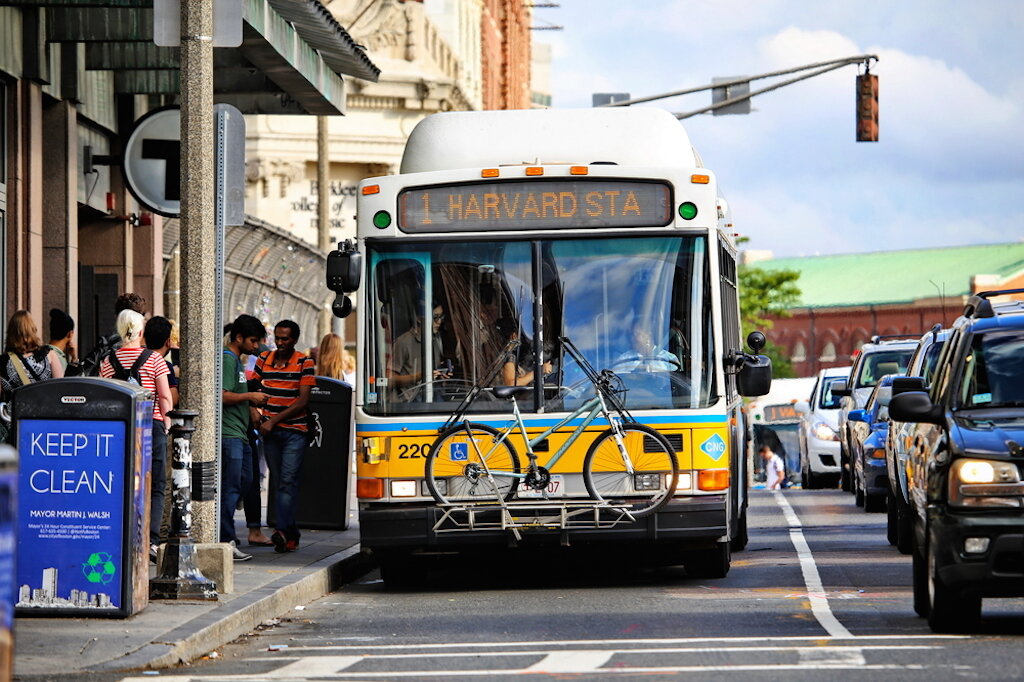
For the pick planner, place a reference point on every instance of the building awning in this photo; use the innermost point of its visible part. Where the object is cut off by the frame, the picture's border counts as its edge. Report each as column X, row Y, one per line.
column 292, row 60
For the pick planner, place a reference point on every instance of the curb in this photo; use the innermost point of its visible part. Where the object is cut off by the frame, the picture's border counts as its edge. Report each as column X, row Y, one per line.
column 230, row 621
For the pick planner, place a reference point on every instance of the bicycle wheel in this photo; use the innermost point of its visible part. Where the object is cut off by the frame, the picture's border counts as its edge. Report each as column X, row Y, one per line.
column 655, row 469
column 466, row 463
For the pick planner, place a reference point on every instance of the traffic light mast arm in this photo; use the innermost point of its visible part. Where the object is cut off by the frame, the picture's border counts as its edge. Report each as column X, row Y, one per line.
column 823, row 67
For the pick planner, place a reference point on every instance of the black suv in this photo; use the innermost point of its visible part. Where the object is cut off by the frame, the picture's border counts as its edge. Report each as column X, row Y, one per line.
column 966, row 466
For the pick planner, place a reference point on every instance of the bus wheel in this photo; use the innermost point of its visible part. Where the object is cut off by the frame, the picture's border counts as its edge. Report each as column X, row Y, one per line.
column 401, row 572
column 710, row 563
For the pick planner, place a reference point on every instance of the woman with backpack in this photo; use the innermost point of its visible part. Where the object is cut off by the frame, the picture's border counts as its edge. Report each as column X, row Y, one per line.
column 26, row 360
column 143, row 366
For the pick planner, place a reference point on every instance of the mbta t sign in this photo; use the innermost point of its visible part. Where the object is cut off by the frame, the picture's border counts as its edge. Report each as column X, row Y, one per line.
column 152, row 161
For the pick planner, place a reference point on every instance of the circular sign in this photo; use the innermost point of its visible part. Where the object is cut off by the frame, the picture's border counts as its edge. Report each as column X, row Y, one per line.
column 152, row 161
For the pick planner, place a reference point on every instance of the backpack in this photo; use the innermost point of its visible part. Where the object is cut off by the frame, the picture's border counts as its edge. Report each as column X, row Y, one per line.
column 131, row 375
column 105, row 345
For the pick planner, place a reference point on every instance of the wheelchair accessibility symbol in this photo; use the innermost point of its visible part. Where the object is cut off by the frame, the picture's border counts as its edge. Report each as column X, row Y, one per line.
column 459, row 452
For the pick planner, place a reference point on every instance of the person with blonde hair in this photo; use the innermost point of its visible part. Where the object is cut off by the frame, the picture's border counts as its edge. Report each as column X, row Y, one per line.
column 26, row 360
column 144, row 366
column 330, row 357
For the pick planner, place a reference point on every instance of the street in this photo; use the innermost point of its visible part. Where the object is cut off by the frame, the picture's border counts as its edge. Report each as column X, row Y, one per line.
column 818, row 592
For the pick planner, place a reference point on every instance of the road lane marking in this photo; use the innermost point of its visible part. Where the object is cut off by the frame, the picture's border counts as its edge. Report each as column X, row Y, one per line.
column 312, row 666
column 815, row 591
column 571, row 662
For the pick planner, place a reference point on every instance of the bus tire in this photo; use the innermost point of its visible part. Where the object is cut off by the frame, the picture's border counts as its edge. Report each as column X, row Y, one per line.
column 740, row 539
column 710, row 563
column 471, row 480
column 401, row 572
column 606, row 478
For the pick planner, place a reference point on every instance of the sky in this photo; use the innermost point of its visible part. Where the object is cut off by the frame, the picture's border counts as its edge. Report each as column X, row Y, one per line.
column 948, row 169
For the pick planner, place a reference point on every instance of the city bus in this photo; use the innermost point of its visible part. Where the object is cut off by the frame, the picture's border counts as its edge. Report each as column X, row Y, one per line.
column 504, row 232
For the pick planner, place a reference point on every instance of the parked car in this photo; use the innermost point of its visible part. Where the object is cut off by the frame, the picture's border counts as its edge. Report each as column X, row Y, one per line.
column 919, row 374
column 818, row 435
column 870, row 428
column 881, row 356
column 966, row 467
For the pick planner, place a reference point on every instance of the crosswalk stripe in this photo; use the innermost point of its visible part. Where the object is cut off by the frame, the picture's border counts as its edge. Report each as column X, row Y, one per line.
column 313, row 666
column 571, row 662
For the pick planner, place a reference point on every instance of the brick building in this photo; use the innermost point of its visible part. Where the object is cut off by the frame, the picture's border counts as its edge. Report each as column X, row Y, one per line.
column 846, row 299
column 505, row 38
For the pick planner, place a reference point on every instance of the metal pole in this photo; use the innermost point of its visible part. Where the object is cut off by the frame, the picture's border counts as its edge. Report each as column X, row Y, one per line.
column 199, row 334
column 178, row 575
column 323, row 194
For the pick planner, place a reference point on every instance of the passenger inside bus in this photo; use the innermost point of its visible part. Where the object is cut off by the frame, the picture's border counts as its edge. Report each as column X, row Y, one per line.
column 518, row 368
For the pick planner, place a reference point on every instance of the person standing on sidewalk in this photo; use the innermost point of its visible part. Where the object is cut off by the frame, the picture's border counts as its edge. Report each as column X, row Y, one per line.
column 244, row 336
column 287, row 376
column 62, row 334
column 132, row 362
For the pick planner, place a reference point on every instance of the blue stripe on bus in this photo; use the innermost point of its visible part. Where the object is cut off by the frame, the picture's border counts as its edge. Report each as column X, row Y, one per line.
column 714, row 419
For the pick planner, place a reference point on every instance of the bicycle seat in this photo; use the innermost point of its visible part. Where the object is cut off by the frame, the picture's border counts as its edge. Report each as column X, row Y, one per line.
column 506, row 392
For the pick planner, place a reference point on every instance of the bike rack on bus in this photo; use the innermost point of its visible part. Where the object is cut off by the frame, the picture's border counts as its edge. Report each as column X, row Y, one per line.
column 525, row 515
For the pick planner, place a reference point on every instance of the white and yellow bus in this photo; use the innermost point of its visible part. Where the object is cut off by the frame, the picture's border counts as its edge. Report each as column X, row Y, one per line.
column 597, row 225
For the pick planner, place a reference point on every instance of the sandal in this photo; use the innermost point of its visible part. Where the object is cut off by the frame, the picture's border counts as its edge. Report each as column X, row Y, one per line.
column 261, row 543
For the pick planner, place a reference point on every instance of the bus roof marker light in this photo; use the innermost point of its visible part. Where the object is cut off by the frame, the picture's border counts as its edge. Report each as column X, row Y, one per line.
column 381, row 219
column 371, row 189
column 489, row 173
column 700, row 179
column 579, row 170
column 534, row 170
column 688, row 210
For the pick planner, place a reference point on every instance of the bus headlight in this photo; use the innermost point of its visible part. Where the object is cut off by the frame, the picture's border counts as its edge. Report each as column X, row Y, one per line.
column 647, row 481
column 403, row 488
column 683, row 484
column 985, row 483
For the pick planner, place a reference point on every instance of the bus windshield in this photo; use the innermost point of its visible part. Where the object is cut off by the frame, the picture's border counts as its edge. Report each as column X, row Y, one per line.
column 446, row 316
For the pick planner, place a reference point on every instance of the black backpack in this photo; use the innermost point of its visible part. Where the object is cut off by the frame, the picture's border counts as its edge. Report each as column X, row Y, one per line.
column 131, row 374
column 105, row 345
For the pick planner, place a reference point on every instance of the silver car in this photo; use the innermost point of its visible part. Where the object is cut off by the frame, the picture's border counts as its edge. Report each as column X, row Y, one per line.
column 819, row 437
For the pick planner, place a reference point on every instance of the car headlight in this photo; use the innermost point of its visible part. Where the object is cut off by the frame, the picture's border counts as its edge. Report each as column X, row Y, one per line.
column 985, row 483
column 823, row 431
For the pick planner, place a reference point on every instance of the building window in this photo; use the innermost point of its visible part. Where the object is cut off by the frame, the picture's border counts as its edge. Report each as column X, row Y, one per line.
column 799, row 352
column 828, row 353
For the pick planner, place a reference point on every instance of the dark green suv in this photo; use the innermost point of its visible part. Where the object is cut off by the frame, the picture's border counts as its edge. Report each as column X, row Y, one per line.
column 965, row 467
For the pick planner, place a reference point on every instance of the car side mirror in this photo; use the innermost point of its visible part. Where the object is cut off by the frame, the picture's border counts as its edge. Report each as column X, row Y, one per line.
column 915, row 406
column 839, row 388
column 905, row 384
column 344, row 268
column 857, row 416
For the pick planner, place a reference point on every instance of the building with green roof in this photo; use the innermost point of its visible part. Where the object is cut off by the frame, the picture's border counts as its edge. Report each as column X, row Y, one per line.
column 848, row 298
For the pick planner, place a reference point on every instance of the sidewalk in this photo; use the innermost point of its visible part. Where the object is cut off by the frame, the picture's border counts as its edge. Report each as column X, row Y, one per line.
column 169, row 632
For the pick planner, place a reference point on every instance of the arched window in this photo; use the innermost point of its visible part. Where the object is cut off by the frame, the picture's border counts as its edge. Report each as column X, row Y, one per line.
column 799, row 352
column 828, row 352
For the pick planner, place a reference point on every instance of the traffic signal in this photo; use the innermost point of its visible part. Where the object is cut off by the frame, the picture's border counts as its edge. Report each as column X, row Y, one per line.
column 867, row 108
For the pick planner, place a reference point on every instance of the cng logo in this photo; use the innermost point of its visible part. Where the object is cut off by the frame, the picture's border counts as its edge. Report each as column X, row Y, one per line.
column 714, row 447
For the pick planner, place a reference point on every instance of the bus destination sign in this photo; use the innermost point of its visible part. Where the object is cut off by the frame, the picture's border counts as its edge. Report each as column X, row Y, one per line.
column 535, row 205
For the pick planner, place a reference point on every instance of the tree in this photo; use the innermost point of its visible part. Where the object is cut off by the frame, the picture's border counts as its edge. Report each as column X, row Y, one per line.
column 765, row 294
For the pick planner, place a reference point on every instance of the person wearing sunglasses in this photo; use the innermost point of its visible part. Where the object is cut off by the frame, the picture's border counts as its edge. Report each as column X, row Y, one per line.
column 406, row 379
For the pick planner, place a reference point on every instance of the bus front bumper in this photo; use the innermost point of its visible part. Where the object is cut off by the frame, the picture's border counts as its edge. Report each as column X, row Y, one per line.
column 693, row 522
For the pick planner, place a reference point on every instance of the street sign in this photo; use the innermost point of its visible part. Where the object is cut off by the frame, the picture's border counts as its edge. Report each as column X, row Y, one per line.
column 152, row 161
column 227, row 23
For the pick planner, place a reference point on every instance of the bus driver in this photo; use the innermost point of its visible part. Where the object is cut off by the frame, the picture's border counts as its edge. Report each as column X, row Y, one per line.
column 406, row 377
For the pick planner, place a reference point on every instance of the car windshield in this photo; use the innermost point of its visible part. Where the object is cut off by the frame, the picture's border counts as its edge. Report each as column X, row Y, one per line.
column 446, row 316
column 826, row 400
column 993, row 373
column 879, row 363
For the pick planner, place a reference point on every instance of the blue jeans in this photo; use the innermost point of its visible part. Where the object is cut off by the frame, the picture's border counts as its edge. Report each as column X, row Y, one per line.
column 284, row 450
column 158, row 479
column 235, row 477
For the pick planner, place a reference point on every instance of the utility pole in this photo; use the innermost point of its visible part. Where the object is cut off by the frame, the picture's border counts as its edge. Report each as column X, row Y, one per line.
column 323, row 194
column 199, row 333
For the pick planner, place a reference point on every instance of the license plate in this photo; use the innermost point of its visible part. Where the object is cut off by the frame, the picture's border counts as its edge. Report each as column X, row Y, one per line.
column 556, row 488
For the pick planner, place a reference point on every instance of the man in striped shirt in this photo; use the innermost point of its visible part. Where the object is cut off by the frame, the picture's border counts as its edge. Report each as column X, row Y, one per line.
column 286, row 376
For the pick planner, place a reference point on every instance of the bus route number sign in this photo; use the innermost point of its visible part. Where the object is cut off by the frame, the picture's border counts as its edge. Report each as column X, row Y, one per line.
column 535, row 205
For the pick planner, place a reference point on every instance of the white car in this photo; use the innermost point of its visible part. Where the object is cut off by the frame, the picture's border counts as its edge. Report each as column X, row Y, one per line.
column 819, row 426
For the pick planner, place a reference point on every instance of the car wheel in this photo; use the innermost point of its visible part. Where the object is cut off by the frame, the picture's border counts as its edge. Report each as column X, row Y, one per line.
column 891, row 520
column 904, row 528
column 858, row 494
column 920, row 572
column 844, row 473
column 949, row 609
column 874, row 503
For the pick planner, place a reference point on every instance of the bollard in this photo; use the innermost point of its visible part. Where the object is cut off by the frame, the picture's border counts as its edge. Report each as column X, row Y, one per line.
column 178, row 576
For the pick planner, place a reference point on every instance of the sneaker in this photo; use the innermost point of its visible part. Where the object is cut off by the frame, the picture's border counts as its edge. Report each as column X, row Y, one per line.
column 237, row 554
column 291, row 545
column 279, row 543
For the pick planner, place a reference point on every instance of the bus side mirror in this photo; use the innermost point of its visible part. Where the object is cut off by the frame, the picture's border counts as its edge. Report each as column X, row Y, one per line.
column 756, row 340
column 755, row 374
column 344, row 270
column 342, row 306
